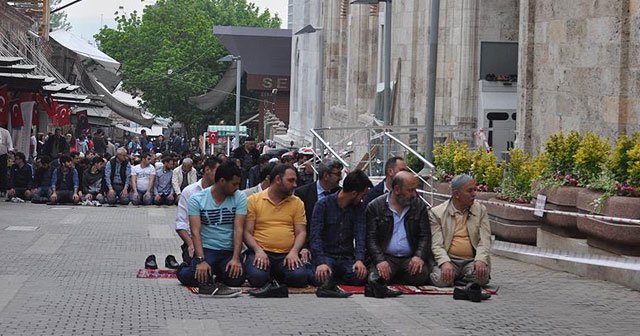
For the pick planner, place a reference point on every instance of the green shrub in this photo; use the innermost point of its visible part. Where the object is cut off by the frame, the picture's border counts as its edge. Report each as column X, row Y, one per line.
column 486, row 170
column 634, row 165
column 414, row 163
column 519, row 173
column 560, row 152
column 591, row 157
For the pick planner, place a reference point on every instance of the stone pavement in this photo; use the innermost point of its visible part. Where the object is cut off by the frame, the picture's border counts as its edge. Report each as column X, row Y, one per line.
column 75, row 275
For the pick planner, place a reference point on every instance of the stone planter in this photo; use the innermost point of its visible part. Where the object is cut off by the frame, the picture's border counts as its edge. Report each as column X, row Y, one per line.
column 614, row 237
column 513, row 225
column 562, row 199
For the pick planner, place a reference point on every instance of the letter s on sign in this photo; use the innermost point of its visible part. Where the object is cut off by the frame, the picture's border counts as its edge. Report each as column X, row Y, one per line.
column 267, row 83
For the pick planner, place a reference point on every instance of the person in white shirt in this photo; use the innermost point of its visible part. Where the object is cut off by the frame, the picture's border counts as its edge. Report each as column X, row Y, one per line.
column 183, row 176
column 142, row 181
column 6, row 146
column 182, row 216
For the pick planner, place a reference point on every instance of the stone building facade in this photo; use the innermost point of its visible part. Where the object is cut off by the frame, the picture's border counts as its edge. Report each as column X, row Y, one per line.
column 577, row 64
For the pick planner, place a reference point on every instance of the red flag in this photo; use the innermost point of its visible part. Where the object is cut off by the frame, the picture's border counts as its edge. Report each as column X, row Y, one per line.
column 50, row 106
column 16, row 115
column 64, row 115
column 4, row 106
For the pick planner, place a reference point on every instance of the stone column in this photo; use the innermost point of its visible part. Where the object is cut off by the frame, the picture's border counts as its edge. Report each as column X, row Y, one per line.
column 525, row 75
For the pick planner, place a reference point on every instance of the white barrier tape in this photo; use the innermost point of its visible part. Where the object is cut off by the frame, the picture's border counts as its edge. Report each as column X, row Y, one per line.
column 555, row 212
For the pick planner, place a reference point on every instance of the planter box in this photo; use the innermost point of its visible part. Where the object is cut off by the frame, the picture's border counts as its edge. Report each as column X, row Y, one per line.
column 606, row 235
column 562, row 199
column 513, row 225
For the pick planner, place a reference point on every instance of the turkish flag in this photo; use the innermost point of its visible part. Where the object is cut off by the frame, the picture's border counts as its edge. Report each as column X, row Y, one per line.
column 213, row 138
column 64, row 115
column 4, row 106
column 16, row 115
column 50, row 106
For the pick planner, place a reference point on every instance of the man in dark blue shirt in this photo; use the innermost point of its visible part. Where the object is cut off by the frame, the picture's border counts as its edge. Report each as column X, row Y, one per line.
column 20, row 178
column 338, row 220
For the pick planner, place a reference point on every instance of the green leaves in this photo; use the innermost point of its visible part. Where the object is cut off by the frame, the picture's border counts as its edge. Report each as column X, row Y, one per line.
column 169, row 53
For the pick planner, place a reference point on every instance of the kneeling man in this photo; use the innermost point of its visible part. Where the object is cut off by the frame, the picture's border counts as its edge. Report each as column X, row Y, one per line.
column 461, row 237
column 398, row 238
column 216, row 216
column 337, row 221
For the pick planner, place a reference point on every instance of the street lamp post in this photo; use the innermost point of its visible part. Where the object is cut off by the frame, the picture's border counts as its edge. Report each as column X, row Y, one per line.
column 238, row 60
column 386, row 114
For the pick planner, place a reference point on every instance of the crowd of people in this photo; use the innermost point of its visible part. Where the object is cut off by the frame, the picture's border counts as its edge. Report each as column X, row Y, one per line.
column 266, row 220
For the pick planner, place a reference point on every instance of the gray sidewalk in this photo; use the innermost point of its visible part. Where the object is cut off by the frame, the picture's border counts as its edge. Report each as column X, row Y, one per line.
column 75, row 275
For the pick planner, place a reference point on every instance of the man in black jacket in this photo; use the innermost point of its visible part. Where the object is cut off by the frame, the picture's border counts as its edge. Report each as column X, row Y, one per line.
column 249, row 157
column 391, row 168
column 20, row 178
column 398, row 238
column 329, row 176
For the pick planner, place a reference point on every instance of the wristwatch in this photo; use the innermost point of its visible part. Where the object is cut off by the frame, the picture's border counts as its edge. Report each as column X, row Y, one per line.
column 198, row 259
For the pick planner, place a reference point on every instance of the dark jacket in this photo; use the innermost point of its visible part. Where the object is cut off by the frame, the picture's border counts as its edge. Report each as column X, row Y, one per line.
column 55, row 145
column 20, row 177
column 42, row 178
column 254, row 177
column 380, row 229
column 309, row 196
column 100, row 144
column 89, row 180
column 374, row 192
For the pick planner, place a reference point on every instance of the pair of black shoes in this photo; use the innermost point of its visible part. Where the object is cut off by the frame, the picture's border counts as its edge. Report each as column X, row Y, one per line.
column 169, row 262
column 376, row 287
column 472, row 292
column 272, row 289
column 329, row 289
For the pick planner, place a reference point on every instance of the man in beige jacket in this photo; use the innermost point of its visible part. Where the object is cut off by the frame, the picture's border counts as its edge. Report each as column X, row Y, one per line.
column 461, row 237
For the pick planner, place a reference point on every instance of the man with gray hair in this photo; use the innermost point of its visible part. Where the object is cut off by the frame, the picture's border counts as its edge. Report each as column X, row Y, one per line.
column 117, row 175
column 329, row 176
column 461, row 234
column 183, row 176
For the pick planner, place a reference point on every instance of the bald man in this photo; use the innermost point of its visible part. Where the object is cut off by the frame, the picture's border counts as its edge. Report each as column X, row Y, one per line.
column 461, row 237
column 398, row 238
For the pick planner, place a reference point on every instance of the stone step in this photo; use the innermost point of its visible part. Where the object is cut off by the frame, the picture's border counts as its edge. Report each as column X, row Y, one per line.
column 619, row 269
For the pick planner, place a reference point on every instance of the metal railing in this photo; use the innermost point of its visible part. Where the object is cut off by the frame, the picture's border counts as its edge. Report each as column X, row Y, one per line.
column 367, row 141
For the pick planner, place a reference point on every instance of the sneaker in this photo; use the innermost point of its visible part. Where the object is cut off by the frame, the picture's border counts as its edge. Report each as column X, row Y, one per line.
column 86, row 203
column 271, row 290
column 218, row 291
column 330, row 290
column 96, row 203
column 150, row 262
column 19, row 200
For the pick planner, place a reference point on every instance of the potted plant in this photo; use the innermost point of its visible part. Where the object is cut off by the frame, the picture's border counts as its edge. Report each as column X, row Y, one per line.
column 560, row 185
column 615, row 192
column 487, row 172
column 450, row 158
column 510, row 224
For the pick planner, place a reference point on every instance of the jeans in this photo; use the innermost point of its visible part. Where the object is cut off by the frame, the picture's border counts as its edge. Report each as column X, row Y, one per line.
column 117, row 188
column 165, row 199
column 41, row 195
column 298, row 277
column 342, row 270
column 142, row 198
column 218, row 261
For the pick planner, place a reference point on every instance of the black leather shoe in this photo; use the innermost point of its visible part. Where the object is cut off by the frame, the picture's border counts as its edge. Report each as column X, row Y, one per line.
column 330, row 290
column 271, row 290
column 150, row 262
column 377, row 287
column 171, row 262
column 470, row 290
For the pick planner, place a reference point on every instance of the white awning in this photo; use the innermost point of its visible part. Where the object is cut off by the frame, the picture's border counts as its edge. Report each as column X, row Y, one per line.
column 83, row 48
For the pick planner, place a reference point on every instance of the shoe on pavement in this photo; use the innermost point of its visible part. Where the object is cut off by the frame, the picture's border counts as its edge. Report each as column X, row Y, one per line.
column 150, row 262
column 171, row 262
column 271, row 290
column 218, row 291
column 330, row 290
column 377, row 287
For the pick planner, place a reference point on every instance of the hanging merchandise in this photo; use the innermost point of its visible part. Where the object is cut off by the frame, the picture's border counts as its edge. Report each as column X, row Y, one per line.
column 4, row 106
